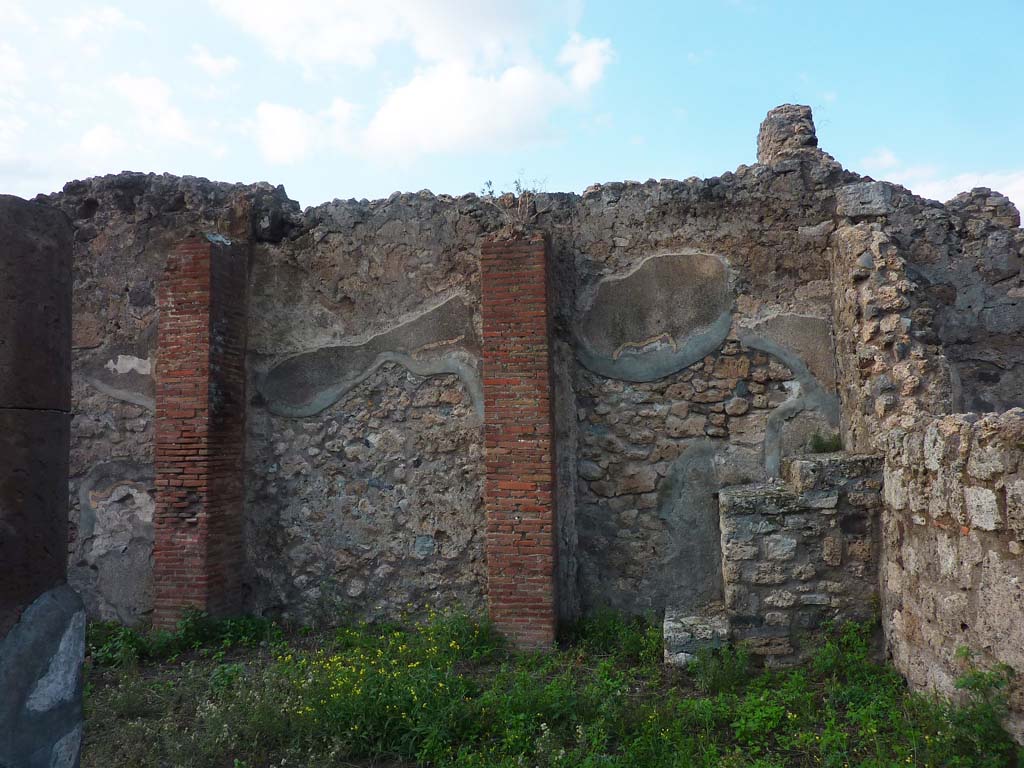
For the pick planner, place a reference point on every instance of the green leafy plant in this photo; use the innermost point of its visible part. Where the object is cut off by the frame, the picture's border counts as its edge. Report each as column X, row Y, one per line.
column 827, row 442
column 448, row 693
column 720, row 670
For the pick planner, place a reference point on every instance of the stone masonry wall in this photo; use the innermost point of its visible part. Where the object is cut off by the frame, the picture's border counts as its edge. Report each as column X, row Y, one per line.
column 124, row 229
column 365, row 457
column 954, row 531
column 703, row 331
column 795, row 554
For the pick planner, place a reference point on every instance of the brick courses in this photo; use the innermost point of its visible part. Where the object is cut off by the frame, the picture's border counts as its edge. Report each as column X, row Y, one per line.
column 200, row 431
column 518, row 436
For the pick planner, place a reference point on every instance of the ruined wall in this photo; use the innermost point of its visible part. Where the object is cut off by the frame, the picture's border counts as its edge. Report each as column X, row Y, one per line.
column 954, row 533
column 365, row 447
column 966, row 257
column 703, row 332
column 930, row 296
column 124, row 228
column 701, row 327
column 796, row 553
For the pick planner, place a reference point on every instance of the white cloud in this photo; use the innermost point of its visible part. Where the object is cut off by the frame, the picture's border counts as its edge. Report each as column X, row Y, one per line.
column 313, row 32
column 214, row 66
column 586, row 60
column 12, row 69
column 451, row 106
column 154, row 113
column 12, row 128
column 100, row 142
column 881, row 159
column 339, row 123
column 284, row 134
column 13, row 12
column 930, row 182
column 287, row 135
column 478, row 83
column 447, row 107
column 99, row 21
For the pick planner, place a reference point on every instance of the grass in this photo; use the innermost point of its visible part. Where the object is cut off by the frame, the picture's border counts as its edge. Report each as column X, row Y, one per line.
column 447, row 692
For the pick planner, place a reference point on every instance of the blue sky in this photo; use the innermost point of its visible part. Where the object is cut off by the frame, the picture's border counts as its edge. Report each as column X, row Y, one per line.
column 359, row 99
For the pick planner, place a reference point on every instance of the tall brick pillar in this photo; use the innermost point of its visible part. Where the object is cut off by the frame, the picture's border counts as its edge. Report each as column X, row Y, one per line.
column 200, row 430
column 519, row 439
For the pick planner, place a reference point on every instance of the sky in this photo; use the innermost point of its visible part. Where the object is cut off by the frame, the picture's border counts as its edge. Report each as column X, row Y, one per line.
column 360, row 99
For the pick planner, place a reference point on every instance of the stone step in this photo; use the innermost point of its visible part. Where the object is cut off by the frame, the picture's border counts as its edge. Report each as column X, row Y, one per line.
column 685, row 635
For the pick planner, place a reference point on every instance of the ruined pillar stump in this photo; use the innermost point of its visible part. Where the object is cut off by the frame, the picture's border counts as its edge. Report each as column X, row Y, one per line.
column 200, row 431
column 42, row 622
column 519, row 440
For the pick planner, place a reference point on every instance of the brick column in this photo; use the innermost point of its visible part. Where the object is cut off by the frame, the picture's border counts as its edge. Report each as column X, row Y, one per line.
column 519, row 440
column 200, row 431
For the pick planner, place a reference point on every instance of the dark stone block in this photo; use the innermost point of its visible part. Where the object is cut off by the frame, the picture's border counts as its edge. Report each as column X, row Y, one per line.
column 33, row 507
column 35, row 306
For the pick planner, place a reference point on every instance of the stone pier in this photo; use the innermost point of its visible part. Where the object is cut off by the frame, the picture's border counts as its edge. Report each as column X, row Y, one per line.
column 42, row 621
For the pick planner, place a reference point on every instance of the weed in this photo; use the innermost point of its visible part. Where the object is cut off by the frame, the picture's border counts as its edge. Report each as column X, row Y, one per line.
column 828, row 442
column 721, row 670
column 112, row 645
column 447, row 693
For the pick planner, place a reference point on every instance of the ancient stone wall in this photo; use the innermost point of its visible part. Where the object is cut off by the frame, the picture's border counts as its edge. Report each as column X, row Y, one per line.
column 125, row 227
column 703, row 333
column 954, row 535
column 702, row 330
column 365, row 428
column 795, row 553
column 929, row 295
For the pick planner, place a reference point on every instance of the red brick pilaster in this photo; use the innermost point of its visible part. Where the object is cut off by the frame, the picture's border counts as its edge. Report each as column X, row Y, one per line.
column 519, row 439
column 200, row 431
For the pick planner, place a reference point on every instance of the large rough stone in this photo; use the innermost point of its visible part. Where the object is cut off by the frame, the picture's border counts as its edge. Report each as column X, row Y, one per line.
column 869, row 198
column 786, row 130
column 684, row 636
column 41, row 679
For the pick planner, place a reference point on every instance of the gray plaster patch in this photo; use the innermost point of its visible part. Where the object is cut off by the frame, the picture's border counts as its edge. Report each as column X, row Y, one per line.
column 807, row 396
column 664, row 315
column 112, row 562
column 810, row 338
column 441, row 340
column 688, row 503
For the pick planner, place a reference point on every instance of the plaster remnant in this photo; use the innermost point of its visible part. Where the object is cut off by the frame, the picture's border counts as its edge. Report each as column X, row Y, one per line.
column 129, row 363
column 308, row 383
column 658, row 318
